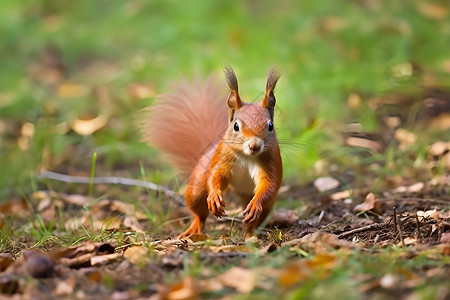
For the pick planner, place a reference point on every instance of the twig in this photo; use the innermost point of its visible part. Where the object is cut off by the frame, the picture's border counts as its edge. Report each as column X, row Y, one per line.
column 114, row 180
column 395, row 218
column 400, row 229
column 360, row 229
column 419, row 236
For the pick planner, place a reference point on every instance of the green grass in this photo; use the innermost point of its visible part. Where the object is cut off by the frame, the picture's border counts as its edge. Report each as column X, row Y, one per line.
column 327, row 50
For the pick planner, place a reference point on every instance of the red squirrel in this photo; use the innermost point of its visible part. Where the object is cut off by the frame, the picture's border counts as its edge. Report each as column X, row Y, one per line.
column 190, row 127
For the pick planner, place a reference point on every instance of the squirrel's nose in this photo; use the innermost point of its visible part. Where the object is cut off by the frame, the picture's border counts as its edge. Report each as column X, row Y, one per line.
column 254, row 145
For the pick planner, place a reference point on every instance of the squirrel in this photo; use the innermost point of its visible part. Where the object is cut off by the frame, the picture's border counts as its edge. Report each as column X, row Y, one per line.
column 219, row 146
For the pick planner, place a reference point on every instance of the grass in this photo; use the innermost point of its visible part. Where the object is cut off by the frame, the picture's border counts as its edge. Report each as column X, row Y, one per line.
column 65, row 61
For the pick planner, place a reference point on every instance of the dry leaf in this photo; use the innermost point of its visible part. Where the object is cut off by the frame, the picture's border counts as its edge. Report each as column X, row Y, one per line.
column 423, row 215
column 136, row 254
column 341, row 195
column 231, row 248
column 102, row 259
column 15, row 207
column 70, row 90
column 65, row 287
column 198, row 237
column 88, row 127
column 320, row 242
column 139, row 91
column 323, row 184
column 184, row 290
column 294, row 272
column 445, row 238
column 283, row 218
column 431, row 10
column 405, row 138
column 132, row 223
column 439, row 148
column 242, row 280
column 370, row 203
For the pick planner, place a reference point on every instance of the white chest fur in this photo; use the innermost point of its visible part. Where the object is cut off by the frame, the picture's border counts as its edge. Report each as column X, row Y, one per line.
column 244, row 176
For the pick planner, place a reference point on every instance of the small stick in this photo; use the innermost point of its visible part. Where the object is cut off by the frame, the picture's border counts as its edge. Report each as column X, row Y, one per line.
column 114, row 180
column 400, row 229
column 395, row 218
column 364, row 228
column 418, row 235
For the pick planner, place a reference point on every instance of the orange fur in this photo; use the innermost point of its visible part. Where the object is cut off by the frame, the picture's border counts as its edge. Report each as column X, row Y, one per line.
column 190, row 126
column 184, row 124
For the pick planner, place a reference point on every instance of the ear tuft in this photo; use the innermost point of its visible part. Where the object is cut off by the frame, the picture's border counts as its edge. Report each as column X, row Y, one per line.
column 234, row 101
column 269, row 98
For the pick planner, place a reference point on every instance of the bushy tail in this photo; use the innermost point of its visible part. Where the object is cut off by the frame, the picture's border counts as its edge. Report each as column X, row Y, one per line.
column 185, row 123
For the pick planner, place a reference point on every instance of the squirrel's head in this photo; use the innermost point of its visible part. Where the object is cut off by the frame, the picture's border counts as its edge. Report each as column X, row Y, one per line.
column 251, row 129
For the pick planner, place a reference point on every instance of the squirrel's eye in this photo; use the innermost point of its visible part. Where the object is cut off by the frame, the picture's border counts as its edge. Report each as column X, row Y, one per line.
column 236, row 126
column 270, row 126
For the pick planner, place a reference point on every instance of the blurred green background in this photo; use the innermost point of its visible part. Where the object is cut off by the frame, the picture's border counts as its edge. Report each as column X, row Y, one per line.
column 65, row 61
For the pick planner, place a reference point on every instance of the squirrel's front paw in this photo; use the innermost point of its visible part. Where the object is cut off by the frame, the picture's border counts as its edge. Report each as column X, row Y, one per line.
column 252, row 212
column 216, row 203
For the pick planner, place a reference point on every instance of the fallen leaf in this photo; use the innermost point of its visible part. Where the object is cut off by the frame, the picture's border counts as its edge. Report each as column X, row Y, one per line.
column 431, row 10
column 71, row 90
column 102, row 259
column 5, row 262
column 439, row 148
column 132, row 223
column 370, row 203
column 184, row 290
column 445, row 238
column 65, row 287
column 231, row 248
column 283, row 218
column 198, row 237
column 293, row 273
column 405, row 138
column 241, row 279
column 323, row 184
column 15, row 207
column 319, row 242
column 88, row 127
column 136, row 254
column 341, row 195
column 139, row 91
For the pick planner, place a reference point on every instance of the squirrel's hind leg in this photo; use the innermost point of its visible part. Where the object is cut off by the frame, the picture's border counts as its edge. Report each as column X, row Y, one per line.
column 196, row 227
column 195, row 197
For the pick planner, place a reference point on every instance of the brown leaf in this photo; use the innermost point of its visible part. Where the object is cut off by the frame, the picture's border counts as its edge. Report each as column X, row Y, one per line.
column 241, row 279
column 198, row 237
column 371, row 203
column 283, row 218
column 293, row 273
column 136, row 254
column 5, row 262
column 88, row 127
column 445, row 238
column 80, row 255
column 439, row 148
column 65, row 287
column 434, row 11
column 319, row 242
column 15, row 207
column 184, row 290
column 405, row 138
column 323, row 184
column 103, row 259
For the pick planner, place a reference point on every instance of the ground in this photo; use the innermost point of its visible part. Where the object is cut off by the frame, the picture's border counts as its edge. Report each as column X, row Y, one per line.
column 362, row 117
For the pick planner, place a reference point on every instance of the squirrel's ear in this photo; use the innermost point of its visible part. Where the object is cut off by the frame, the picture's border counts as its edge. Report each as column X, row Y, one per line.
column 269, row 98
column 234, row 101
